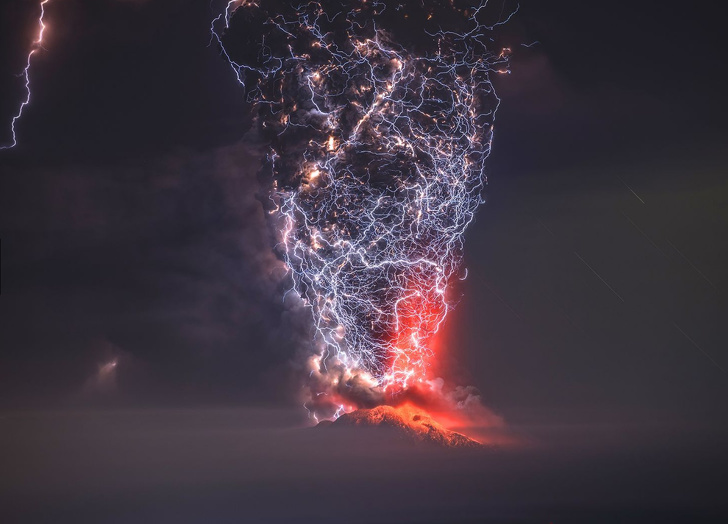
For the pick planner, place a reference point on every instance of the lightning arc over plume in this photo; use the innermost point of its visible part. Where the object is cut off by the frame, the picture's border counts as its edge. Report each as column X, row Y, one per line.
column 379, row 120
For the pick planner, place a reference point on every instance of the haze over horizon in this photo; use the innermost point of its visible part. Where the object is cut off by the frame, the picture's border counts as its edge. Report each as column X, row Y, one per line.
column 147, row 361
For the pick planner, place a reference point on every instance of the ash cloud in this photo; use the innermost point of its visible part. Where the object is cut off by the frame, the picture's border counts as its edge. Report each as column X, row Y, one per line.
column 379, row 121
column 330, row 391
column 163, row 264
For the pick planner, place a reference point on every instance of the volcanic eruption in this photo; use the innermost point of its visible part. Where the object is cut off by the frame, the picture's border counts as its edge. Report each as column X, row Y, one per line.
column 406, row 422
column 378, row 120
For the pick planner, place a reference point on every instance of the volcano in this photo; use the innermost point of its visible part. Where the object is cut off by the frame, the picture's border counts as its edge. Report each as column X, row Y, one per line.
column 406, row 422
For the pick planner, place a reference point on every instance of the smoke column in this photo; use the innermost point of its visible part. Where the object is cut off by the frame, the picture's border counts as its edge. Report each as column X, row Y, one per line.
column 379, row 120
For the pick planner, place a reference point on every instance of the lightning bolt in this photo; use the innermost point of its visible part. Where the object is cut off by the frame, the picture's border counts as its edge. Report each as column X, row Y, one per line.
column 35, row 47
column 377, row 164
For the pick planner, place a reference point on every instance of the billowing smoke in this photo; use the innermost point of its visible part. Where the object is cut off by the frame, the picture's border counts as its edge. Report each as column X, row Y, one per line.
column 379, row 118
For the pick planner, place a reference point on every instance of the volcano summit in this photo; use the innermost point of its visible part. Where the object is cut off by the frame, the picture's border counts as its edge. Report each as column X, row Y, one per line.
column 405, row 422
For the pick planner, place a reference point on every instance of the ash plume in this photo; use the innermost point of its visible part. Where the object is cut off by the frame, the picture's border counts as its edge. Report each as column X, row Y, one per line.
column 379, row 120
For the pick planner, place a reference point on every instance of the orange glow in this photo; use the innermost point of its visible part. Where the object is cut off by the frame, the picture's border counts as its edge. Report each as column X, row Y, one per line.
column 411, row 420
column 418, row 317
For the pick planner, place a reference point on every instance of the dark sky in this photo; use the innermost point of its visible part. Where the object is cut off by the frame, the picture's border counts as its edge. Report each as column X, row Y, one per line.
column 597, row 288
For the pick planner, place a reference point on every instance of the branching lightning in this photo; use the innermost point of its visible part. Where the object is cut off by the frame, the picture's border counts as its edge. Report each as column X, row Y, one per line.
column 36, row 46
column 377, row 165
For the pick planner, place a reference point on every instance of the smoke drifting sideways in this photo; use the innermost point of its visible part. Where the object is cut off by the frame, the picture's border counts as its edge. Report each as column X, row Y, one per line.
column 379, row 119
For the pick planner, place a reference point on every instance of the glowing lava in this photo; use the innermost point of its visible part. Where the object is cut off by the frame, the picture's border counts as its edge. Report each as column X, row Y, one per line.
column 408, row 422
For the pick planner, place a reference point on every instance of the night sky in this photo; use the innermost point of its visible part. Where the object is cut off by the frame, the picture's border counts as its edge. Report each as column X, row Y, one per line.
column 593, row 320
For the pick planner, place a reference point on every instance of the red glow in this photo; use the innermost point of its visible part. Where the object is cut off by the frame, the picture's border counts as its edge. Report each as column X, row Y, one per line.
column 419, row 315
column 409, row 420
